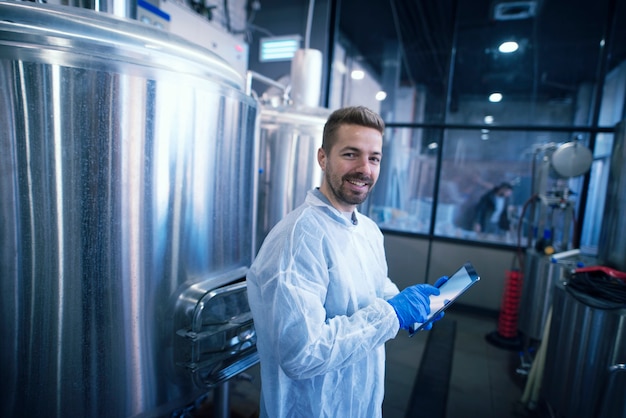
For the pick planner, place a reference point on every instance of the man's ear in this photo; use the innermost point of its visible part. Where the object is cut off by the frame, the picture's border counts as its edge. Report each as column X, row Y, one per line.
column 321, row 158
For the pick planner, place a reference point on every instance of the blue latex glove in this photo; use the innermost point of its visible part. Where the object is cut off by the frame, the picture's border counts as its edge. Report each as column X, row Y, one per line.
column 413, row 304
column 440, row 281
column 429, row 325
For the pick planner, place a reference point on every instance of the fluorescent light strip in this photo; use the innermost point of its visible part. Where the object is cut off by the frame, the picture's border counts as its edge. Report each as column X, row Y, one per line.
column 279, row 49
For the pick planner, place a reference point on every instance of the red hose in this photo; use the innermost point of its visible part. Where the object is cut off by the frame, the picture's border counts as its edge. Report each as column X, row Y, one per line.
column 606, row 270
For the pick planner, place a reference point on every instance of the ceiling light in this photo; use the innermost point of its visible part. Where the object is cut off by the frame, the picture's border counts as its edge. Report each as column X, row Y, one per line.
column 357, row 75
column 508, row 47
column 515, row 10
column 433, row 145
column 340, row 67
column 381, row 95
column 495, row 97
column 484, row 137
column 278, row 48
column 488, row 119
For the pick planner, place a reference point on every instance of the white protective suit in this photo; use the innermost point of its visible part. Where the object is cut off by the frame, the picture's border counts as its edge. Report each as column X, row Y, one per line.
column 317, row 292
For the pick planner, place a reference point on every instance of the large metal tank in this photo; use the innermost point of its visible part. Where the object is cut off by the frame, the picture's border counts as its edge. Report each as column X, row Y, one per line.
column 126, row 199
column 288, row 142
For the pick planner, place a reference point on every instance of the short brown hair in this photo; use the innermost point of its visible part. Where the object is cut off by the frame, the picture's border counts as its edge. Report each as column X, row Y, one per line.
column 352, row 115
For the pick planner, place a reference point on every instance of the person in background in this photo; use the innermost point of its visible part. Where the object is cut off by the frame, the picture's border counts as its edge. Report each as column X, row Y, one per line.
column 491, row 215
column 322, row 304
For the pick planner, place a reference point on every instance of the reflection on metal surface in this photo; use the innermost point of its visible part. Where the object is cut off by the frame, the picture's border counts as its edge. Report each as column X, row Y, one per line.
column 125, row 176
column 612, row 245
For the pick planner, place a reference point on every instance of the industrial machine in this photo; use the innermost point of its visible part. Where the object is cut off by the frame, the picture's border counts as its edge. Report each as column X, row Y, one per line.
column 127, row 198
column 177, row 17
column 585, row 360
column 291, row 126
column 548, row 232
column 580, row 366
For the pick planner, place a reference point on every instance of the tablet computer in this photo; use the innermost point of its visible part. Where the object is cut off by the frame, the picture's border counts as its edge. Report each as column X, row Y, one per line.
column 464, row 278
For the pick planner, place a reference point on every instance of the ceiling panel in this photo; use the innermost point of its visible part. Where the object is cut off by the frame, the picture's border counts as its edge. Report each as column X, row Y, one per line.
column 559, row 39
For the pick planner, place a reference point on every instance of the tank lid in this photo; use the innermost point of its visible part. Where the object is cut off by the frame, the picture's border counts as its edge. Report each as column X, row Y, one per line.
column 74, row 36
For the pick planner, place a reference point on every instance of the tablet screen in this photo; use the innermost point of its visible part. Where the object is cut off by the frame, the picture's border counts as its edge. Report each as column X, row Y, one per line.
column 456, row 285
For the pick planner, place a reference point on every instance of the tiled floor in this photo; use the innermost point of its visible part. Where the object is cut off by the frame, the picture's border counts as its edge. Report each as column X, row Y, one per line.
column 483, row 380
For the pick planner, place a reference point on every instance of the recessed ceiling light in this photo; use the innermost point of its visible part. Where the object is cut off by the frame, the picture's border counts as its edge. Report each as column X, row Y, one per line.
column 357, row 75
column 381, row 95
column 495, row 97
column 508, row 47
column 488, row 119
column 515, row 10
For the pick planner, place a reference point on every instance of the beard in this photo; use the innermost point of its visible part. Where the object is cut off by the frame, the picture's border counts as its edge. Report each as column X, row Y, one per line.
column 340, row 188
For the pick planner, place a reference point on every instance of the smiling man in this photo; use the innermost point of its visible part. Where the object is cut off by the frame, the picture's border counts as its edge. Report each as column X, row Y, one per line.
column 350, row 159
column 322, row 303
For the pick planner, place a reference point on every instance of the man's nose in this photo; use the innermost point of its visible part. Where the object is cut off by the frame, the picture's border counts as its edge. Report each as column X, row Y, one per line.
column 364, row 166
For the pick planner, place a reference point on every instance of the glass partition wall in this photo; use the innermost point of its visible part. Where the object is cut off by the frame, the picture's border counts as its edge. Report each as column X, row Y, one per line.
column 438, row 181
column 480, row 94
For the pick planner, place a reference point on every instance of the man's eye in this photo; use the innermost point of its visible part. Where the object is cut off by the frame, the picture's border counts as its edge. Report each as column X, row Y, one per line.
column 349, row 154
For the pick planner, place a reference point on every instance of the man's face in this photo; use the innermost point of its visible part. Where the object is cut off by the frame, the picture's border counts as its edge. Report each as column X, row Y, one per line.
column 351, row 167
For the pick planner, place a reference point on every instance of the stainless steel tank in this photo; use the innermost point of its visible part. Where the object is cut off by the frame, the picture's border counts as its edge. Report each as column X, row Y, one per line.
column 541, row 273
column 288, row 143
column 126, row 199
column 585, row 367
column 612, row 245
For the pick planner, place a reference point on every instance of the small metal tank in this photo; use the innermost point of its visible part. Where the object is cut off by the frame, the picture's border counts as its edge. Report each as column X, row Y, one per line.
column 127, row 189
column 585, row 367
column 541, row 273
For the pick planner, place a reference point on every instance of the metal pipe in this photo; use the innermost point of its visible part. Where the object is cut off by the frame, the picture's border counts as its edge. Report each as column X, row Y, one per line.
column 565, row 254
column 221, row 396
column 250, row 75
column 309, row 23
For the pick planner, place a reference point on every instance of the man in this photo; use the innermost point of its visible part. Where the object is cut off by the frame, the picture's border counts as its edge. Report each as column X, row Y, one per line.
column 491, row 216
column 318, row 288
